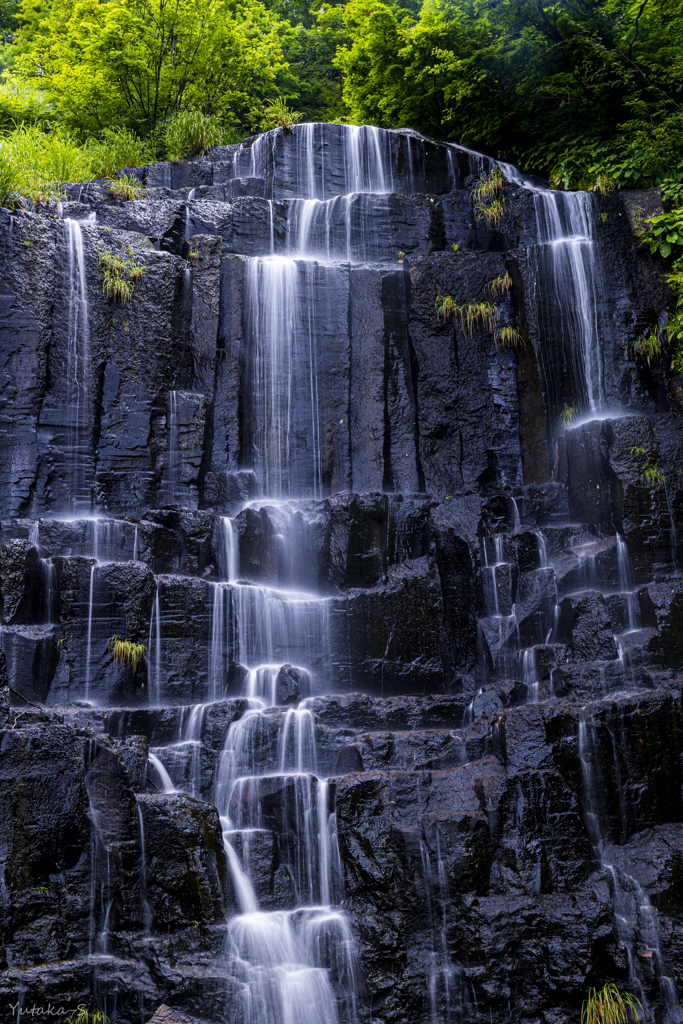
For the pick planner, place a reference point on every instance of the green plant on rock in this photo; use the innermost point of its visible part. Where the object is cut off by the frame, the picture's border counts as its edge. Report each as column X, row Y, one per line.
column 399, row 255
column 82, row 1015
column 126, row 651
column 649, row 348
column 119, row 275
column 191, row 132
column 474, row 314
column 609, row 1006
column 664, row 233
column 487, row 197
column 481, row 314
column 127, row 186
column 9, row 183
column 455, row 246
column 279, row 115
column 508, row 337
column 653, row 475
column 500, row 285
column 446, row 308
column 568, row 415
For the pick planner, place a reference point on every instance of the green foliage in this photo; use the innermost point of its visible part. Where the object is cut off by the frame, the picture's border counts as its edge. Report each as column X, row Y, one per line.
column 190, row 132
column 119, row 275
column 569, row 414
column 279, row 115
column 609, row 1006
column 508, row 337
column 9, row 182
column 135, row 63
column 653, row 476
column 125, row 652
column 649, row 348
column 127, row 186
column 500, row 285
column 664, row 234
column 470, row 315
column 455, row 246
column 487, row 198
column 81, row 1015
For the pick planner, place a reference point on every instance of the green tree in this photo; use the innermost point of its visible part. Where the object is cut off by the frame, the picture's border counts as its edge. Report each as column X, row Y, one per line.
column 136, row 62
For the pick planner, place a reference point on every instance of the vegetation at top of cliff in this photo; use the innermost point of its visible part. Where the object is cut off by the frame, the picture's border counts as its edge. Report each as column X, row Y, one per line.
column 588, row 92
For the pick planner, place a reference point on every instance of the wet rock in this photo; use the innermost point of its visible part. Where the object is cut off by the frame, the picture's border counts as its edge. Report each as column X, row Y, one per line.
column 661, row 607
column 350, row 761
column 185, row 859
column 21, row 582
column 292, row 685
column 584, row 624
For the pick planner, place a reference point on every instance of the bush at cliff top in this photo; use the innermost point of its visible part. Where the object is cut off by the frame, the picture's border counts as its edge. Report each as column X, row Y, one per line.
column 137, row 62
column 40, row 159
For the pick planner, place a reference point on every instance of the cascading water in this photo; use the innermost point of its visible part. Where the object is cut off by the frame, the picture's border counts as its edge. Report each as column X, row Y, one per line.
column 77, row 450
column 568, row 286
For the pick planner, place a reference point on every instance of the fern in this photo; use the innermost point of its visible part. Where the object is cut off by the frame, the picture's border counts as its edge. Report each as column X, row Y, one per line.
column 126, row 651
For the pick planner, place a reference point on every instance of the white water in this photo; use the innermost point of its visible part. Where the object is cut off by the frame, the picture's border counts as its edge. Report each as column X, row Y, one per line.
column 78, row 452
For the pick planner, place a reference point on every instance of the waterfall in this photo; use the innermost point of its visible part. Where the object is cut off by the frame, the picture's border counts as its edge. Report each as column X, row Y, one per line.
column 567, row 290
column 635, row 920
column 78, row 452
column 287, row 444
column 172, row 476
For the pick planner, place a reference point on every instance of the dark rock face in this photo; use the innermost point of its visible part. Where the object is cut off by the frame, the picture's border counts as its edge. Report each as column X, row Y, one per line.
column 399, row 696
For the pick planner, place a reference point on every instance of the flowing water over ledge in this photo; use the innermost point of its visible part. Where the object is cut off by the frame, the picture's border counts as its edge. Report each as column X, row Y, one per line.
column 329, row 490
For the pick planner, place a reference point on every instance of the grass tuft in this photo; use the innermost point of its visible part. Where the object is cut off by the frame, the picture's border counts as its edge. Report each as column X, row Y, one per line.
column 569, row 414
column 119, row 275
column 126, row 651
column 609, row 1006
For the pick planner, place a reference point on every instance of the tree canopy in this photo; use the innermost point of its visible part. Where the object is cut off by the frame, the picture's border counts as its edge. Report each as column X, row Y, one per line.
column 587, row 91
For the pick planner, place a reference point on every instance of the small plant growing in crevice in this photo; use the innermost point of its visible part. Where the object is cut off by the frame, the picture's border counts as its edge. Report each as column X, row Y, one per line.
column 508, row 337
column 126, row 652
column 192, row 253
column 82, row 1015
column 652, row 475
column 568, row 415
column 119, row 275
column 487, row 197
column 455, row 246
column 127, row 186
column 279, row 115
column 474, row 314
column 399, row 255
column 604, row 217
column 500, row 285
column 446, row 308
column 649, row 348
column 609, row 1006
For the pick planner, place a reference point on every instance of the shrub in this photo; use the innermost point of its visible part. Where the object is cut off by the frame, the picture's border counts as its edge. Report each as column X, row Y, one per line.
column 279, row 115
column 117, row 148
column 127, row 186
column 119, row 275
column 190, row 132
column 126, row 652
column 9, row 182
